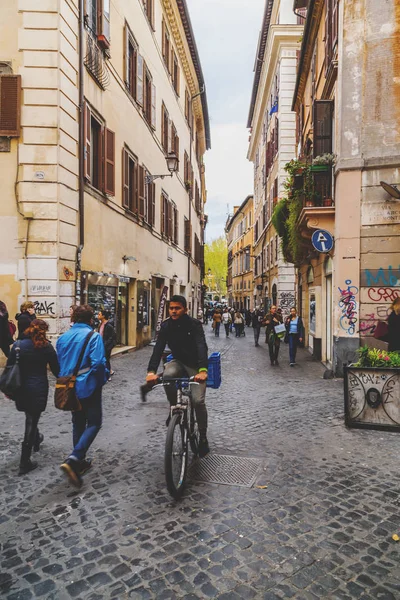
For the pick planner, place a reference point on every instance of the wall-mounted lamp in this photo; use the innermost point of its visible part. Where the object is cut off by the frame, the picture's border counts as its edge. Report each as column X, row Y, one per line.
column 125, row 258
column 392, row 190
column 172, row 165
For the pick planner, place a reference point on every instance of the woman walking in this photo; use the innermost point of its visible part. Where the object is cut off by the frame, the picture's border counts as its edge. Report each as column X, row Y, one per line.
column 217, row 318
column 295, row 332
column 239, row 323
column 25, row 318
column 394, row 327
column 35, row 353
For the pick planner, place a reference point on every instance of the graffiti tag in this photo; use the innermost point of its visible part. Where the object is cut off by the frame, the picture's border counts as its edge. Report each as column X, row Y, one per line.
column 44, row 308
column 348, row 306
column 387, row 277
column 286, row 301
column 383, row 294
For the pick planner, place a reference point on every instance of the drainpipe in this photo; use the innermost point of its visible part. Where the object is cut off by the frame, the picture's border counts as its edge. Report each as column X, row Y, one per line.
column 81, row 145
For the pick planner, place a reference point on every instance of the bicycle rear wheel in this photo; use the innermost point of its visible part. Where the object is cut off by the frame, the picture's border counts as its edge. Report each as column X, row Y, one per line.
column 176, row 456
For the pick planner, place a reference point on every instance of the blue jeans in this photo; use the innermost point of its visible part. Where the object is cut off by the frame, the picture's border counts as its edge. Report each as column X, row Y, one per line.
column 86, row 424
column 217, row 326
column 293, row 342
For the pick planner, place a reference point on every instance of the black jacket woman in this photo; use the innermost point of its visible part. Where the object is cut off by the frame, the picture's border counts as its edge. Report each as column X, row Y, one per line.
column 295, row 334
column 35, row 353
column 394, row 327
column 5, row 335
column 25, row 318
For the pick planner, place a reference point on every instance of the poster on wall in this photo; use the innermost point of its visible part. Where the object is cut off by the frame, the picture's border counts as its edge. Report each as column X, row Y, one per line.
column 142, row 305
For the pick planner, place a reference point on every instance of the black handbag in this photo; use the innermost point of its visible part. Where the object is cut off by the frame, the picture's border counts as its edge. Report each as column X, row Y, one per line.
column 10, row 380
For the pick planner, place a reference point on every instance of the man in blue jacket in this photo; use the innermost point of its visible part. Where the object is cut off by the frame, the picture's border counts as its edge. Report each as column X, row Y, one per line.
column 92, row 375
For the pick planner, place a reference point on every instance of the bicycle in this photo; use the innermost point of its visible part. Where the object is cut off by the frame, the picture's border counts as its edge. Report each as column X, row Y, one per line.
column 182, row 432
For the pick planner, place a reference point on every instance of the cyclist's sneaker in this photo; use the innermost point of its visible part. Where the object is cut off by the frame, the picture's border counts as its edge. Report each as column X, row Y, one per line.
column 85, row 465
column 71, row 468
column 204, row 448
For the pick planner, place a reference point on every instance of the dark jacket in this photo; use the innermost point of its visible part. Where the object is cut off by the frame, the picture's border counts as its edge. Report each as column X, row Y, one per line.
column 24, row 320
column 109, row 337
column 271, row 320
column 394, row 332
column 300, row 327
column 257, row 319
column 185, row 337
column 33, row 363
column 5, row 336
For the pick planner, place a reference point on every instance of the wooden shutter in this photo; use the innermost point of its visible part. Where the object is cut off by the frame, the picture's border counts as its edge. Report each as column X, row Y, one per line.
column 103, row 23
column 141, row 174
column 163, row 38
column 87, row 149
column 153, row 106
column 135, row 189
column 127, row 66
column 125, row 179
column 109, row 166
column 277, row 135
column 176, row 147
column 153, row 204
column 335, row 22
column 10, row 105
column 328, row 33
column 140, row 80
column 170, row 126
column 322, row 118
column 176, row 216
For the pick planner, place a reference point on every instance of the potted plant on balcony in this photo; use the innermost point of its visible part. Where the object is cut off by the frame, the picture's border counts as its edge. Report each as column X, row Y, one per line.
column 327, row 202
column 323, row 162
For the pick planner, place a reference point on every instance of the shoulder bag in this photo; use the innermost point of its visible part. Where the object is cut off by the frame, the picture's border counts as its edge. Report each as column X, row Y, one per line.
column 10, row 380
column 65, row 397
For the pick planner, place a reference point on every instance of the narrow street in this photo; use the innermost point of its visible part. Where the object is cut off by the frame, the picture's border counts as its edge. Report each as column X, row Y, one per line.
column 317, row 522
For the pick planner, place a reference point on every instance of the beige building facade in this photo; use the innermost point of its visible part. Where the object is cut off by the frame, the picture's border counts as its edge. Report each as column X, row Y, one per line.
column 272, row 144
column 101, row 96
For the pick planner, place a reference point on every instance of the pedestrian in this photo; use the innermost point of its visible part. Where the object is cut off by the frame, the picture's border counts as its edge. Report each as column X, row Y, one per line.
column 6, row 337
column 71, row 312
column 257, row 323
column 217, row 318
column 394, row 327
column 25, row 317
column 248, row 318
column 200, row 314
column 185, row 338
column 294, row 334
column 92, row 375
column 35, row 353
column 273, row 319
column 226, row 320
column 239, row 323
column 109, row 337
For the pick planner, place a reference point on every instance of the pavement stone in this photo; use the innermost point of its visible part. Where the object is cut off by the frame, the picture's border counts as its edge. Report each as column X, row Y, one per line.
column 318, row 522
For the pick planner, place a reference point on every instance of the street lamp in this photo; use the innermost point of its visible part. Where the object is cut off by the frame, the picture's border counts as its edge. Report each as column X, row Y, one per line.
column 172, row 166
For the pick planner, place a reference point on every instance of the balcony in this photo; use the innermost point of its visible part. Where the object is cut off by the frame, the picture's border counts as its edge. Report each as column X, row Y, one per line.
column 95, row 63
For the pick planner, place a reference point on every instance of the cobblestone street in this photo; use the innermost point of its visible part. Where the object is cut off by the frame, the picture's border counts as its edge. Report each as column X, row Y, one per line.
column 317, row 523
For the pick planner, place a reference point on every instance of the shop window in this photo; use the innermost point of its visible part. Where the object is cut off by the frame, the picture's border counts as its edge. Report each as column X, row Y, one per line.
column 99, row 153
column 312, row 313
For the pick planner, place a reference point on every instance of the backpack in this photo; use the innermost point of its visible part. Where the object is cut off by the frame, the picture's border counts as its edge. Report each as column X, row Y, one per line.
column 12, row 328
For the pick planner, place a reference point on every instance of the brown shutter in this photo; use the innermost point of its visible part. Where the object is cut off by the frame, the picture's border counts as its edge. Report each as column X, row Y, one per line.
column 140, row 80
column 141, row 175
column 176, row 144
column 169, row 228
column 126, row 57
column 170, row 126
column 10, row 105
column 87, row 149
column 176, row 216
column 335, row 22
column 153, row 106
column 163, row 38
column 150, row 203
column 153, row 204
column 328, row 33
column 110, row 162
column 322, row 119
column 135, row 190
column 125, row 179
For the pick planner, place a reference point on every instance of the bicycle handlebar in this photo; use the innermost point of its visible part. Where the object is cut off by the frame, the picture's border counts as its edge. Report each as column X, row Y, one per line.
column 146, row 388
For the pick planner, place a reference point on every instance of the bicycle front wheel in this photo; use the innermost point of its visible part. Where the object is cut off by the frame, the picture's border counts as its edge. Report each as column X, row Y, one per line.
column 176, row 456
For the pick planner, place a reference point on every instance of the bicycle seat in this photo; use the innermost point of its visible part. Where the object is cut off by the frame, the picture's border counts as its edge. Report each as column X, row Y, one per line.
column 174, row 369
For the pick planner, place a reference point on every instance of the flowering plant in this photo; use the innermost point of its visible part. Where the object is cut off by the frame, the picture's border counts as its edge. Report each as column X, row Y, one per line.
column 373, row 357
column 324, row 159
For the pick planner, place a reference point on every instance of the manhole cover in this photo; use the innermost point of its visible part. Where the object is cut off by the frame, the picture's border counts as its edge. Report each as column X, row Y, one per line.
column 228, row 470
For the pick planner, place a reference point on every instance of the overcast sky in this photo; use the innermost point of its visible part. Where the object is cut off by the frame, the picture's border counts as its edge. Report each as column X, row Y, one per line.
column 226, row 34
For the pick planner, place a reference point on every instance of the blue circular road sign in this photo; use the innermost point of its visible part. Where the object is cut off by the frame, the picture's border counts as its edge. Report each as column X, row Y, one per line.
column 322, row 240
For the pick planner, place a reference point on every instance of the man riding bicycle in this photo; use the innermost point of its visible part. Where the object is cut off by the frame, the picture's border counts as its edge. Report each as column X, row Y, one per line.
column 185, row 337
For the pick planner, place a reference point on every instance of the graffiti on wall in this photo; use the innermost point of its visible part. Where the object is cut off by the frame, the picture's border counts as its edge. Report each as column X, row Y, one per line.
column 379, row 288
column 349, row 307
column 44, row 307
column 385, row 294
column 389, row 277
column 286, row 301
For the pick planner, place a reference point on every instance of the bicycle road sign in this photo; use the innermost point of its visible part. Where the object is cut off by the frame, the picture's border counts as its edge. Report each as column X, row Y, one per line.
column 322, row 240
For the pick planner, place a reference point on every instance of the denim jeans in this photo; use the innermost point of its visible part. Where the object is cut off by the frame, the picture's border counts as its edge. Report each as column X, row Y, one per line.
column 256, row 331
column 293, row 341
column 217, row 326
column 86, row 424
column 226, row 325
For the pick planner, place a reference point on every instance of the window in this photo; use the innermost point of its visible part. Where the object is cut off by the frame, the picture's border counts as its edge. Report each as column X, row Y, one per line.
column 176, row 225
column 99, row 153
column 166, row 46
column 188, row 236
column 10, row 105
column 165, row 129
column 188, row 171
column 150, row 200
column 197, row 198
column 174, row 141
column 169, row 219
column 131, row 54
column 149, row 10
column 187, row 106
column 197, row 251
column 98, row 20
column 149, row 101
column 322, row 118
column 276, row 248
column 130, row 177
column 331, row 31
column 175, row 72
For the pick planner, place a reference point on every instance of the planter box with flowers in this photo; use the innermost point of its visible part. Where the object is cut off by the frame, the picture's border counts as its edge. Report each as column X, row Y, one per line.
column 372, row 390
